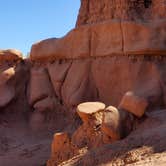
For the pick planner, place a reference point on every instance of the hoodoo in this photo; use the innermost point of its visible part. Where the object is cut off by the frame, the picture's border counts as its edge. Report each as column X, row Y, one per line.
column 99, row 91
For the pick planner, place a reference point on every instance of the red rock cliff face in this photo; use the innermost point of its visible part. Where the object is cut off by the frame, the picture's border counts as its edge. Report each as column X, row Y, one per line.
column 111, row 38
column 115, row 55
column 95, row 11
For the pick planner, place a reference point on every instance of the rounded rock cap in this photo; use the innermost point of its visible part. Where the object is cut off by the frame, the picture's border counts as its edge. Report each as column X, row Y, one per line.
column 60, row 135
column 86, row 109
column 10, row 55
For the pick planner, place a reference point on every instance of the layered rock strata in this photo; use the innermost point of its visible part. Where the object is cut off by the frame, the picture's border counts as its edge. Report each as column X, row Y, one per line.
column 95, row 11
column 115, row 55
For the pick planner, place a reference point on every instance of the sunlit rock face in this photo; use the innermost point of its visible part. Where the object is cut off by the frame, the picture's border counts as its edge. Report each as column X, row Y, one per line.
column 109, row 27
column 95, row 11
column 116, row 47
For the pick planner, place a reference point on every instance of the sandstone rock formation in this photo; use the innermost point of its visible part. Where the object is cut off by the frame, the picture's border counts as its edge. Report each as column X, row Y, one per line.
column 10, row 55
column 144, row 146
column 8, row 59
column 89, row 133
column 114, row 55
column 62, row 149
column 111, row 123
column 94, row 11
column 90, row 111
column 104, row 39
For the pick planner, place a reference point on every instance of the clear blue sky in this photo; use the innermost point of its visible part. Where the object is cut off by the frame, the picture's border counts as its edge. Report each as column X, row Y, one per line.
column 23, row 22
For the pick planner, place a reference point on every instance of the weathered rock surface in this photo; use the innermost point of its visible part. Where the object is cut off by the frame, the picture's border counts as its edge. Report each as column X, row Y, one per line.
column 8, row 59
column 111, row 122
column 90, row 111
column 108, row 28
column 89, row 133
column 6, row 75
column 134, row 104
column 96, row 11
column 78, row 86
column 10, row 55
column 116, row 47
column 74, row 45
column 62, row 149
column 7, row 91
column 124, row 42
column 145, row 146
column 40, row 86
column 105, row 39
column 57, row 72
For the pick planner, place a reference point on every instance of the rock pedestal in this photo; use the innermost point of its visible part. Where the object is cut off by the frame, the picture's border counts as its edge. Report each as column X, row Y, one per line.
column 62, row 149
column 89, row 133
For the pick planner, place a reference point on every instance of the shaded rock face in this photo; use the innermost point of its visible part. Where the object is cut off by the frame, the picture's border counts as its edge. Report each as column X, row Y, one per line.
column 104, row 79
column 10, row 69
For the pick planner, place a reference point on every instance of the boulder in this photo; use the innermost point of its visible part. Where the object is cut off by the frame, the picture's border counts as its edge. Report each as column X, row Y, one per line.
column 149, row 84
column 111, row 123
column 133, row 104
column 10, row 55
